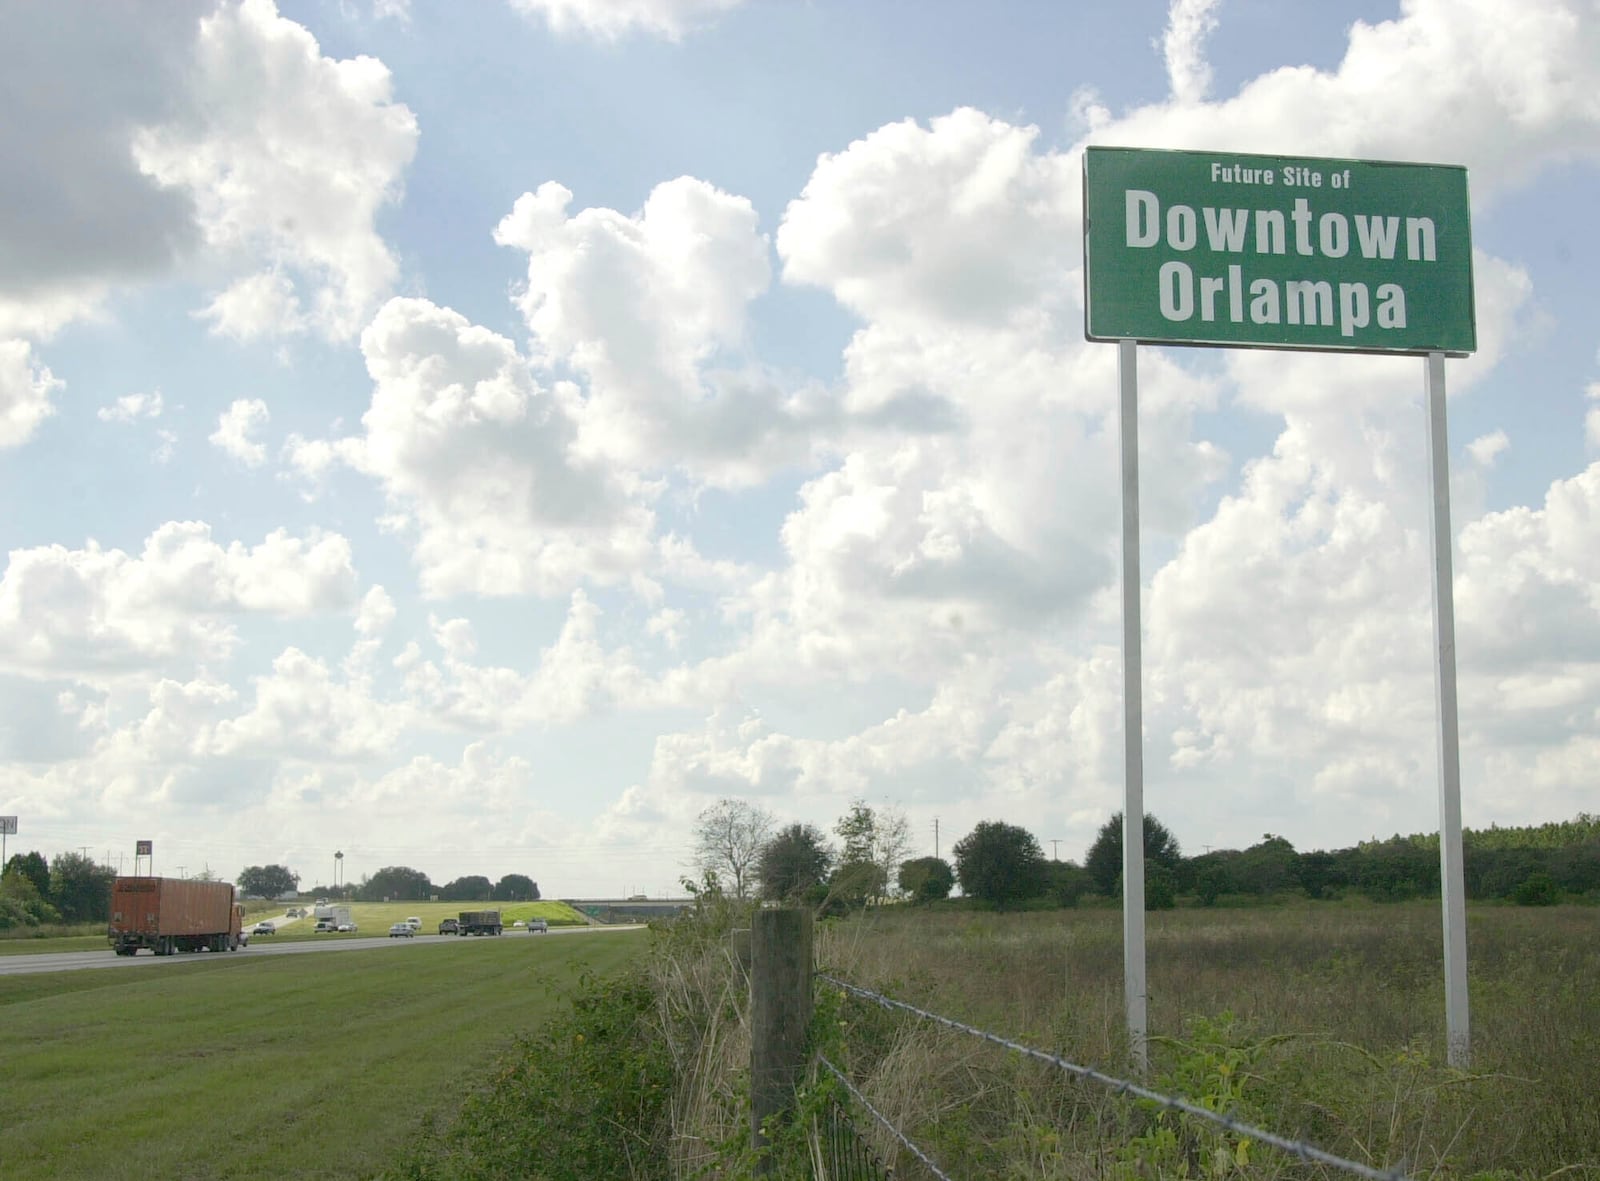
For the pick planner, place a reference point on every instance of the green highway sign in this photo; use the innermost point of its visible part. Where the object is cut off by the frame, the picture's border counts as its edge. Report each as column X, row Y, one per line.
column 1294, row 252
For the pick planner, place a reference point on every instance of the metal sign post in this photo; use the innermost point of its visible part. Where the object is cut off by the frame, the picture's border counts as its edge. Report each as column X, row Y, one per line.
column 1133, row 978
column 1452, row 878
column 8, row 826
column 1288, row 252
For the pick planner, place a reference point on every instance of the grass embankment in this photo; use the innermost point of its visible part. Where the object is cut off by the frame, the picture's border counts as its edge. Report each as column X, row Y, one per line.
column 375, row 918
column 307, row 1066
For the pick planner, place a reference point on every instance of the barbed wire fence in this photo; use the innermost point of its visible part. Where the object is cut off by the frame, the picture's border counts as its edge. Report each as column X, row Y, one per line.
column 842, row 1156
column 1226, row 1122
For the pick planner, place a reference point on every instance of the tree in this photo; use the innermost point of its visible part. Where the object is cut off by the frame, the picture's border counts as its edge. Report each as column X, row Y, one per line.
column 858, row 879
column 80, row 889
column 34, row 867
column 999, row 863
column 926, row 879
column 472, row 888
column 515, row 887
column 893, row 841
column 268, row 881
column 728, row 839
column 397, row 883
column 21, row 903
column 1266, row 868
column 876, row 841
column 793, row 861
column 1065, row 882
column 1104, row 861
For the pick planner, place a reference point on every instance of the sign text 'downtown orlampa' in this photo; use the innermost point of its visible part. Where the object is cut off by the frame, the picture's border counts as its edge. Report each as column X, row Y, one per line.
column 1279, row 252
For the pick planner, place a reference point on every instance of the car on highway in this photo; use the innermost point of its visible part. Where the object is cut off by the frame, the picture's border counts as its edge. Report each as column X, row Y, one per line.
column 449, row 927
column 263, row 928
column 324, row 925
column 401, row 931
column 538, row 927
column 346, row 928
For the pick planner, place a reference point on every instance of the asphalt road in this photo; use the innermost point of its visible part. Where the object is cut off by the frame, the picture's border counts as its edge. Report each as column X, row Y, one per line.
column 262, row 945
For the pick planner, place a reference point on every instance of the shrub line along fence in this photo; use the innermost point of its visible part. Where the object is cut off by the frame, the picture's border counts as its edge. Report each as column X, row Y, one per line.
column 780, row 980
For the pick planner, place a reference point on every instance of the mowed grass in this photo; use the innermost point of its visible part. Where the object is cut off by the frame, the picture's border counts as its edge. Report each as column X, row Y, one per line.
column 304, row 1066
column 375, row 918
column 36, row 945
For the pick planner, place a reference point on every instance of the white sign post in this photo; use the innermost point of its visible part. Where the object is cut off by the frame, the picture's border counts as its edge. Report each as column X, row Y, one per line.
column 1304, row 253
column 1133, row 978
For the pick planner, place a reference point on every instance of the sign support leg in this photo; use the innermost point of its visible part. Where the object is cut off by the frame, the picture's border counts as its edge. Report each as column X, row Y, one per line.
column 1452, row 881
column 1133, row 975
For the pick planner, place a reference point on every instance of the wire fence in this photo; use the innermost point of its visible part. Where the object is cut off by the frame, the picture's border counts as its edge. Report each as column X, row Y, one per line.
column 842, row 1152
column 1226, row 1122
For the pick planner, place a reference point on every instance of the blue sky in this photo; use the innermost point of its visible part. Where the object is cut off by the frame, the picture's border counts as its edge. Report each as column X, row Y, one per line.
column 481, row 438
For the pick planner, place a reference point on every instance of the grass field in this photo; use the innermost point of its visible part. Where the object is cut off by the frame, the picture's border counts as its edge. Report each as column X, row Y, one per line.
column 374, row 918
column 311, row 1066
column 1321, row 1020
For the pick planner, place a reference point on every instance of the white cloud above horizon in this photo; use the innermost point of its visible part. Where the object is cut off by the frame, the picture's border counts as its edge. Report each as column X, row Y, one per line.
column 584, row 517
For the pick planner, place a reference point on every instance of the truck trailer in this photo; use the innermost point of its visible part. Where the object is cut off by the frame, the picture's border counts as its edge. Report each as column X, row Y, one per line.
column 169, row 915
column 479, row 922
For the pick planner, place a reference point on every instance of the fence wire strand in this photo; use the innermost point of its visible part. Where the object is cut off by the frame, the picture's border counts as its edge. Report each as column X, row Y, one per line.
column 1296, row 1148
column 888, row 1125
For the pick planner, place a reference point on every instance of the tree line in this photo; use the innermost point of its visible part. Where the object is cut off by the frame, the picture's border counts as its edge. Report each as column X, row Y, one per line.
column 741, row 849
column 392, row 883
column 69, row 888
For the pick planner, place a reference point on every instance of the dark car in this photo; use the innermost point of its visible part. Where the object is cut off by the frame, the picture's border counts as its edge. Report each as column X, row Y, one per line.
column 263, row 929
column 449, row 927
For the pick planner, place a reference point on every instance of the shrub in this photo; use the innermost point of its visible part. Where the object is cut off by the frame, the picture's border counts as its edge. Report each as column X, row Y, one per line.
column 1539, row 889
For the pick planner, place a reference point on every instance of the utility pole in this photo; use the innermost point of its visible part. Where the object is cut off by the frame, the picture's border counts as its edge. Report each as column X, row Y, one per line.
column 1055, row 849
column 936, row 836
column 180, row 871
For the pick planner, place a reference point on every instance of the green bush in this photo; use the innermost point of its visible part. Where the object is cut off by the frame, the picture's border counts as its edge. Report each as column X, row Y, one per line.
column 1539, row 889
column 586, row 1097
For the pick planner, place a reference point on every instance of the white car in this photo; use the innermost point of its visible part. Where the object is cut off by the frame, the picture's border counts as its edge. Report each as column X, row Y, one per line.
column 402, row 931
column 538, row 927
column 346, row 928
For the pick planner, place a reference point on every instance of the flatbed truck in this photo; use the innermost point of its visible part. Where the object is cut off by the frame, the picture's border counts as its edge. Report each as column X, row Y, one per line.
column 478, row 922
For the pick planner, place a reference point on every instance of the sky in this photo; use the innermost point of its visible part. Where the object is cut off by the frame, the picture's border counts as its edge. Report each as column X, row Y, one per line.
column 479, row 438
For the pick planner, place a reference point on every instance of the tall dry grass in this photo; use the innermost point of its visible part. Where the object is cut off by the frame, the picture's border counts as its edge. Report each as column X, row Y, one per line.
column 1336, row 1034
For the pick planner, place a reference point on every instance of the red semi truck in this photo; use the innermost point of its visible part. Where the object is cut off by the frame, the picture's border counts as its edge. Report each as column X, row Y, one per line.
column 169, row 915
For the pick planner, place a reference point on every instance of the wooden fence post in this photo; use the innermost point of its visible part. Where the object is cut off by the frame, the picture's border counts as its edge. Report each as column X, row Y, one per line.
column 780, row 1012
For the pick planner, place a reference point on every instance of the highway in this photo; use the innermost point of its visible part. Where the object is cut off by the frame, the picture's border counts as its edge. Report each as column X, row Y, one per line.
column 69, row 961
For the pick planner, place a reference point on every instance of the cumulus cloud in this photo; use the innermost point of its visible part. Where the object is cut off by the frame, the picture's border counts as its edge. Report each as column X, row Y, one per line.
column 1189, row 23
column 611, row 19
column 651, row 309
column 215, row 137
column 960, row 222
column 479, row 463
column 376, row 613
column 256, row 306
column 89, row 78
column 287, row 155
column 26, row 392
column 302, row 710
column 1486, row 449
column 131, row 408
column 234, row 428
column 94, row 613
